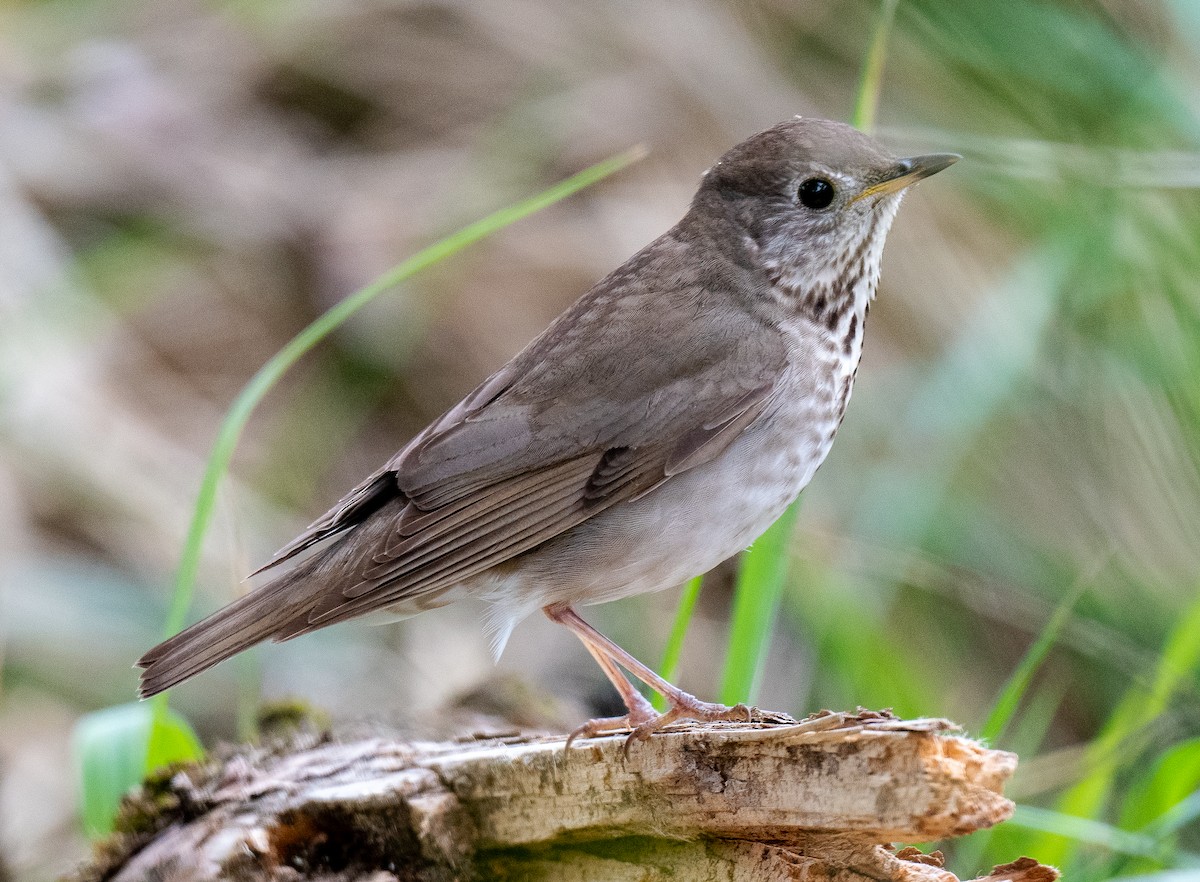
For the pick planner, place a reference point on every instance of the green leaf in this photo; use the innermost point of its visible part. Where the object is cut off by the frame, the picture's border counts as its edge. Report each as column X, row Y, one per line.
column 1026, row 737
column 1083, row 830
column 1018, row 683
column 1153, row 804
column 755, row 604
column 1138, row 708
column 110, row 747
column 674, row 648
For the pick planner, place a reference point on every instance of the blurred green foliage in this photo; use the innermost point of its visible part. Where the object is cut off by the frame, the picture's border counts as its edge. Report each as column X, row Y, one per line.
column 111, row 747
column 184, row 187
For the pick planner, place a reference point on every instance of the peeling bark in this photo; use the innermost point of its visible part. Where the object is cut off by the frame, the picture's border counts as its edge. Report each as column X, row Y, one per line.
column 722, row 802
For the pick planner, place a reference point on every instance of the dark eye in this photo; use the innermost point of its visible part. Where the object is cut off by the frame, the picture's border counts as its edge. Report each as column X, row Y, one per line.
column 816, row 193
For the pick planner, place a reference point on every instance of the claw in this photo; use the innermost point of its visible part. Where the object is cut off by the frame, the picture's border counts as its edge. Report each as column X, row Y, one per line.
column 641, row 716
column 683, row 707
column 600, row 726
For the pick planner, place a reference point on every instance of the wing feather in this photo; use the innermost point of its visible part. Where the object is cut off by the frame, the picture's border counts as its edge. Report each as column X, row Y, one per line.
column 576, row 423
column 473, row 551
column 416, row 554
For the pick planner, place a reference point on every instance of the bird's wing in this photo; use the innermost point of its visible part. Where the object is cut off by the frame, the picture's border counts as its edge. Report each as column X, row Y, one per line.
column 428, row 550
column 628, row 388
column 578, row 422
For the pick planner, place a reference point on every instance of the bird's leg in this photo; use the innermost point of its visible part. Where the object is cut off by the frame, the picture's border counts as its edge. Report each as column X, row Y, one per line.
column 681, row 705
column 640, row 710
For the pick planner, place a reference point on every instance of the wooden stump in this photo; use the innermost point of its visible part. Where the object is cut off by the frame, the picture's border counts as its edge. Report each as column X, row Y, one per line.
column 824, row 798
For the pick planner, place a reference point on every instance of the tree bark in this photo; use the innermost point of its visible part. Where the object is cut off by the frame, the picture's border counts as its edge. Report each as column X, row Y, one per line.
column 827, row 795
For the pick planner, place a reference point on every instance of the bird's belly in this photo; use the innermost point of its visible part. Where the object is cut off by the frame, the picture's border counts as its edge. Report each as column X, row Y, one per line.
column 688, row 524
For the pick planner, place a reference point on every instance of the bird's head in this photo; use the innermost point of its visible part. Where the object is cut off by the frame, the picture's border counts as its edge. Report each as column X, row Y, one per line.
column 814, row 200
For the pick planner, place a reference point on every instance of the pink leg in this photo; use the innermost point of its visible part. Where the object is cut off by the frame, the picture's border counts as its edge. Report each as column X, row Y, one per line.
column 640, row 710
column 681, row 704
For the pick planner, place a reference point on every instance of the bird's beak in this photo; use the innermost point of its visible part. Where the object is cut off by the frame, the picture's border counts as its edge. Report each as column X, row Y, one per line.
column 907, row 172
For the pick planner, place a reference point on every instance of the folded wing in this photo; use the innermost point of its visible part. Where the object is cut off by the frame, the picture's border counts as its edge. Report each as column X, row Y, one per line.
column 578, row 422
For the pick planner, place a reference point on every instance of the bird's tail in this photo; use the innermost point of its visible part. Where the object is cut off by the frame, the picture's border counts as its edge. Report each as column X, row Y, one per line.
column 261, row 614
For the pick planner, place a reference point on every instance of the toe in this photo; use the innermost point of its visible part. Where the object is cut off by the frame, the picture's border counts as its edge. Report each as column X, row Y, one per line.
column 603, row 725
column 635, row 719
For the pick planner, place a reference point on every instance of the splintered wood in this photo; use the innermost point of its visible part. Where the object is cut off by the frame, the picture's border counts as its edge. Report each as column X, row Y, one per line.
column 824, row 796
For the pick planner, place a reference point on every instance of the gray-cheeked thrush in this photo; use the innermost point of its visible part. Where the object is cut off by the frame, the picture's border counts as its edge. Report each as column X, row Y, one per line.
column 653, row 430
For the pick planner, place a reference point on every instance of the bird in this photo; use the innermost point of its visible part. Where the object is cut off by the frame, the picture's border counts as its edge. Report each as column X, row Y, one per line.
column 654, row 429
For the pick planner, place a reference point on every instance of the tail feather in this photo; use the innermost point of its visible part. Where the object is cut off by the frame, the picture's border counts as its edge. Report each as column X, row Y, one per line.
column 279, row 610
column 258, row 616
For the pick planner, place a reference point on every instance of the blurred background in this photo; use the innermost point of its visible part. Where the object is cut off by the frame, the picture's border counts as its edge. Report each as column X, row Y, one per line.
column 184, row 186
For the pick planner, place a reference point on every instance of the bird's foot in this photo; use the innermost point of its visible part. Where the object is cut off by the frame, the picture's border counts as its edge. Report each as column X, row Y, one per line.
column 605, row 726
column 644, row 721
column 642, row 718
column 688, row 707
column 641, row 713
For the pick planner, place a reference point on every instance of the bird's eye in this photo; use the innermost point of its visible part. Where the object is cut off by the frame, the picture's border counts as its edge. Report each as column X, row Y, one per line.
column 816, row 193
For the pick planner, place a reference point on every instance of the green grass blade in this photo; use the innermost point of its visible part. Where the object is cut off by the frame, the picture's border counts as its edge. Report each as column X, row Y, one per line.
column 1018, row 683
column 1084, row 830
column 1138, row 708
column 1025, row 739
column 1167, row 792
column 674, row 648
column 755, row 604
column 870, row 82
column 1183, row 814
column 1162, row 804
